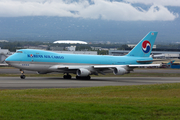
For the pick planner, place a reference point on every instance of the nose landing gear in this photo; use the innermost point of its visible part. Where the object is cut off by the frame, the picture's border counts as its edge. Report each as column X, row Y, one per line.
column 22, row 76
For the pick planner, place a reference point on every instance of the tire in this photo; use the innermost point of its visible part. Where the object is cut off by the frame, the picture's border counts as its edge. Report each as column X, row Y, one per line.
column 22, row 76
column 67, row 76
column 83, row 78
column 77, row 77
column 88, row 77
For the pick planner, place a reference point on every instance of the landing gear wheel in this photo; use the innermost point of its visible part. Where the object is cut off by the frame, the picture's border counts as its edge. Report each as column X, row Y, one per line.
column 22, row 76
column 83, row 78
column 67, row 76
column 77, row 77
column 88, row 77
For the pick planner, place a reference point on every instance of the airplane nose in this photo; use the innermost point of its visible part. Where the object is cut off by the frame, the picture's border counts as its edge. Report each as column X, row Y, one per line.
column 8, row 59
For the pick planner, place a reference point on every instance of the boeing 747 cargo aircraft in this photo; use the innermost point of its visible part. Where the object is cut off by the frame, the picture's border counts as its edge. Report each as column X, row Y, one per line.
column 84, row 65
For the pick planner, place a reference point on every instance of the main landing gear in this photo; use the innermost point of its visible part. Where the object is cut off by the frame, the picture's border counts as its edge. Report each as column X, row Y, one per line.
column 67, row 76
column 83, row 78
column 22, row 76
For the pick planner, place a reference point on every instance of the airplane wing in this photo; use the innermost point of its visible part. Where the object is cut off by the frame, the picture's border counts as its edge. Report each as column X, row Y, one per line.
column 3, row 64
column 72, row 67
column 102, row 69
column 130, row 66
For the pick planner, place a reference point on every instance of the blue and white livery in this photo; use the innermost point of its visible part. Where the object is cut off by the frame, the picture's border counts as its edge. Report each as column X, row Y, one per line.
column 84, row 65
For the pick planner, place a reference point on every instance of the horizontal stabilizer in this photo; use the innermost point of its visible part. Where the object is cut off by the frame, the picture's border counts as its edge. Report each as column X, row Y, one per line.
column 145, row 65
column 148, row 61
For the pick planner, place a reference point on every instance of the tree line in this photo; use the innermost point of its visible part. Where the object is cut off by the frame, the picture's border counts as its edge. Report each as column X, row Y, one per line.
column 12, row 46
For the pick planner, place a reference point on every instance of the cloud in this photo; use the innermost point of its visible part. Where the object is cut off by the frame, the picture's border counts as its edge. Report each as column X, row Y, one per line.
column 125, row 12
column 157, row 2
column 97, row 9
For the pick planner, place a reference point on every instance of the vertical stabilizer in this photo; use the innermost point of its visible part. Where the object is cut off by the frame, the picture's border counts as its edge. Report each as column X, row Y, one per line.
column 144, row 47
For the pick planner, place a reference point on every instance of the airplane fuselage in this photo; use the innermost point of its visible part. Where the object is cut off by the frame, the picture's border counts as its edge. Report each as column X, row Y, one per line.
column 38, row 60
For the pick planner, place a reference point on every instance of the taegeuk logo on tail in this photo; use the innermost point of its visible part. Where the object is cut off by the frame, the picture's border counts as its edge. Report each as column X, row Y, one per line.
column 146, row 46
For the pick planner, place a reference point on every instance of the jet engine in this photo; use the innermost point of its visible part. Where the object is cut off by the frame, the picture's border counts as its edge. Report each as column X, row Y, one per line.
column 83, row 72
column 119, row 71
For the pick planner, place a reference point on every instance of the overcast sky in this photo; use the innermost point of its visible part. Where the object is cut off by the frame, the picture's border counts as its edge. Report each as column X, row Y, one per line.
column 118, row 10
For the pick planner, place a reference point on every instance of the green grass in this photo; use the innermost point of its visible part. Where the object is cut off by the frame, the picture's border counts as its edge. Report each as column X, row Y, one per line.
column 160, row 101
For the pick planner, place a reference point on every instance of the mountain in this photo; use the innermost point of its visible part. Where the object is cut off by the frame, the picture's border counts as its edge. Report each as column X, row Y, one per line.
column 67, row 28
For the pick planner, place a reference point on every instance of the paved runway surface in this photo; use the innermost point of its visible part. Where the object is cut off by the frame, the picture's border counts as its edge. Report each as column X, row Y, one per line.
column 42, row 82
column 46, row 82
column 16, row 71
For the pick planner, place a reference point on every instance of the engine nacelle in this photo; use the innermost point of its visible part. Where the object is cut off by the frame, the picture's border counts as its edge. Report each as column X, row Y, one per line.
column 42, row 72
column 119, row 71
column 83, row 72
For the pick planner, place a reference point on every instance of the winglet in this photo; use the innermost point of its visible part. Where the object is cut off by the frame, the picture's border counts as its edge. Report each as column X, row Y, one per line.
column 144, row 47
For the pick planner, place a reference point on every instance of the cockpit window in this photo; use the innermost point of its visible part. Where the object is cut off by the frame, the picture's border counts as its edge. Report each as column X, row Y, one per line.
column 19, row 52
